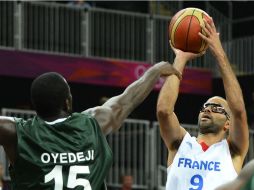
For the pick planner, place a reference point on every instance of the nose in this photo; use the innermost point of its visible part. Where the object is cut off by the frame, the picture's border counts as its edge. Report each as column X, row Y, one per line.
column 207, row 109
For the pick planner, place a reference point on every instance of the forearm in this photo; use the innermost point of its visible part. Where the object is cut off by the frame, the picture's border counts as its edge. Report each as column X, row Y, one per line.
column 170, row 90
column 135, row 93
column 170, row 129
column 112, row 113
column 238, row 133
column 139, row 90
column 119, row 107
column 232, row 88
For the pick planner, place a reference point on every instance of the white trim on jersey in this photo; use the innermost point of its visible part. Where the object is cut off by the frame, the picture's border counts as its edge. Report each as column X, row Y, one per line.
column 56, row 121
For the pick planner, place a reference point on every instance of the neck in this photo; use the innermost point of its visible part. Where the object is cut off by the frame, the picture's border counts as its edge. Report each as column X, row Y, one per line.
column 209, row 138
column 62, row 114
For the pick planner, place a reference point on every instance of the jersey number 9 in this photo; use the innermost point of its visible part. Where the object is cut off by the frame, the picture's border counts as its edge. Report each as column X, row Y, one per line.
column 197, row 182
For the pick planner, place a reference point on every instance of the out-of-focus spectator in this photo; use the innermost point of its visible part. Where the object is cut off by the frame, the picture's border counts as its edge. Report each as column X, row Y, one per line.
column 79, row 3
column 127, row 182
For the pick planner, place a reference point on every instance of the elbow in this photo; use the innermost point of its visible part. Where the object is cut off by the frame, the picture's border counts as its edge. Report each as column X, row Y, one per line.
column 163, row 111
column 237, row 108
column 240, row 113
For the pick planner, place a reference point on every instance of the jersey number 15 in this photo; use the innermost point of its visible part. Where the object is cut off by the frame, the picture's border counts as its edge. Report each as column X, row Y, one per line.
column 73, row 181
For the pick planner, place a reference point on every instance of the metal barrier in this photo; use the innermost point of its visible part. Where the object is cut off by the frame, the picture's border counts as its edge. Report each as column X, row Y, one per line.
column 93, row 32
column 241, row 55
column 223, row 23
column 119, row 35
column 51, row 27
column 131, row 154
column 7, row 24
column 25, row 114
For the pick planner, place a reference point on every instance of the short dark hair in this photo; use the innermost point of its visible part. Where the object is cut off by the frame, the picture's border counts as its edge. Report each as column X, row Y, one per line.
column 49, row 92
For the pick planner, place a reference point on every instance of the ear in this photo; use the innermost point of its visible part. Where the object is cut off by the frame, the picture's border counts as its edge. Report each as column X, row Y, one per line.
column 227, row 125
column 68, row 104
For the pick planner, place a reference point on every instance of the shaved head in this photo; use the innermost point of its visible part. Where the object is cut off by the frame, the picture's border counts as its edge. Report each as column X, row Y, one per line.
column 220, row 100
column 214, row 116
column 49, row 93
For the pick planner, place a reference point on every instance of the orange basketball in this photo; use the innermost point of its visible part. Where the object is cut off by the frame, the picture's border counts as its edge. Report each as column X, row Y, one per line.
column 184, row 28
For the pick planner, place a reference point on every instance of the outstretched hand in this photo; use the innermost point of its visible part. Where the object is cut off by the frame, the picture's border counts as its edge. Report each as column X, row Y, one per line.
column 187, row 56
column 167, row 69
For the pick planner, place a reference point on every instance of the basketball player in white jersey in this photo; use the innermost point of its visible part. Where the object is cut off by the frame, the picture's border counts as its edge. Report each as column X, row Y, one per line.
column 216, row 156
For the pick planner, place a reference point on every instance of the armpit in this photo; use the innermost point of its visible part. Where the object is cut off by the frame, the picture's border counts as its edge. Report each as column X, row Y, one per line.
column 234, row 150
column 176, row 144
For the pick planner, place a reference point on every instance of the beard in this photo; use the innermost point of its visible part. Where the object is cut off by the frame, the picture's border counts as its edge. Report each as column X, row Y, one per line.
column 206, row 127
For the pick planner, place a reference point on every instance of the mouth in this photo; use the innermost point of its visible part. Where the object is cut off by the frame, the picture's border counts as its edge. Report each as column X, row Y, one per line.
column 205, row 117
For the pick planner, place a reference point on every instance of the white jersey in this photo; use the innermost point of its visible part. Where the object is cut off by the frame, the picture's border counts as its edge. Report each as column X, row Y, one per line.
column 194, row 169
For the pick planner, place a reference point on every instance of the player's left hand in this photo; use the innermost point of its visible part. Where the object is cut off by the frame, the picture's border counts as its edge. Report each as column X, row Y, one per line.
column 212, row 37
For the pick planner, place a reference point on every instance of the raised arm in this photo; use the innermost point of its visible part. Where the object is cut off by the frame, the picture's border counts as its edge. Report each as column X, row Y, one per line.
column 112, row 113
column 238, row 132
column 171, row 131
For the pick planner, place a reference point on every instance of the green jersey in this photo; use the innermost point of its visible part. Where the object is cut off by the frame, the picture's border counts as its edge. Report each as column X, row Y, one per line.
column 68, row 154
column 250, row 184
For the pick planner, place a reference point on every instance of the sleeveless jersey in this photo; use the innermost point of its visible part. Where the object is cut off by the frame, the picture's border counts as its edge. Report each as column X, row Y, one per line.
column 192, row 168
column 72, row 154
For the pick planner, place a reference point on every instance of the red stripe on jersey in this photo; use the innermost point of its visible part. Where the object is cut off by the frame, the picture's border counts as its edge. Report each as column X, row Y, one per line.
column 204, row 146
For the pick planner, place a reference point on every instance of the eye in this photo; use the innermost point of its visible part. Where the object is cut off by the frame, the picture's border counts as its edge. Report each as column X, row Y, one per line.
column 220, row 109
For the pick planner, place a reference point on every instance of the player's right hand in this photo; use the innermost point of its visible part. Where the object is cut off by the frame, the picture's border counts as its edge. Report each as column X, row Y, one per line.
column 187, row 56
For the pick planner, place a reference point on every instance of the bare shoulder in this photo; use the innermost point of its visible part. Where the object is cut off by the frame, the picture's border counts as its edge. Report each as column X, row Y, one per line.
column 8, row 136
column 7, row 125
column 98, row 111
column 104, row 116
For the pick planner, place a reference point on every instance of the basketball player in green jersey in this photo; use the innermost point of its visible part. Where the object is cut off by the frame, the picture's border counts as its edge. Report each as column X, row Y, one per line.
column 58, row 149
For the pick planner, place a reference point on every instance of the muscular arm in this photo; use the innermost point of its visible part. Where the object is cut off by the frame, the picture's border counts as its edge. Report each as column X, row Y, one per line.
column 238, row 132
column 112, row 113
column 171, row 131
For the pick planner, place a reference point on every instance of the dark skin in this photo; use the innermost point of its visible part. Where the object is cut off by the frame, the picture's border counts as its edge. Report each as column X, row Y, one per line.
column 110, row 115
